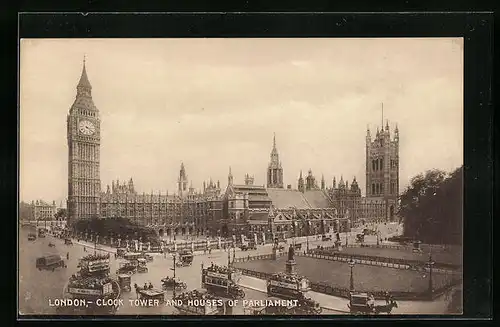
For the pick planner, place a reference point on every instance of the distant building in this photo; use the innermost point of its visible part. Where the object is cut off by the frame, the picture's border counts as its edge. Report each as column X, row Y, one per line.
column 42, row 210
column 382, row 181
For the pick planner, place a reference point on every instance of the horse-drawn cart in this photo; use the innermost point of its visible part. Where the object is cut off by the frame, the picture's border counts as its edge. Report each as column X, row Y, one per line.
column 185, row 259
column 124, row 282
column 171, row 283
column 362, row 303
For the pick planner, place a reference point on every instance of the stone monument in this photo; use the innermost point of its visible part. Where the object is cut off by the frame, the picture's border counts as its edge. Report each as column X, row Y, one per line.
column 290, row 263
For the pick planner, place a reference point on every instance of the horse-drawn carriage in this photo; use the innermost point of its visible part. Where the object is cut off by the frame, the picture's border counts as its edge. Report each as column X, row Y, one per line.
column 248, row 246
column 171, row 283
column 185, row 259
column 127, row 267
column 142, row 266
column 124, row 282
column 416, row 247
column 148, row 257
column 362, row 303
column 153, row 296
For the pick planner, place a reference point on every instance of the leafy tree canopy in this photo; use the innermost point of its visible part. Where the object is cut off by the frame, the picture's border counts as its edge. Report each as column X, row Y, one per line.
column 117, row 228
column 432, row 207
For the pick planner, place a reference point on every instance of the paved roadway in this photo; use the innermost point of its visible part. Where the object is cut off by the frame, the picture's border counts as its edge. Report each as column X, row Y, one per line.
column 37, row 287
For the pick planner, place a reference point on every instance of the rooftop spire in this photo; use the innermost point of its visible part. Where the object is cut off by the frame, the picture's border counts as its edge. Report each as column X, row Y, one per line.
column 274, row 140
column 84, row 80
column 382, row 116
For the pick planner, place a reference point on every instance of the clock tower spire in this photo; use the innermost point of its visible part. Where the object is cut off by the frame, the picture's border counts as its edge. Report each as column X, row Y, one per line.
column 84, row 140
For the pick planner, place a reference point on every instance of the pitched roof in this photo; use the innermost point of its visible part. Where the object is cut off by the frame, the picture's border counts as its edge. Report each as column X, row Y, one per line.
column 317, row 199
column 250, row 189
column 258, row 216
column 84, row 80
column 284, row 198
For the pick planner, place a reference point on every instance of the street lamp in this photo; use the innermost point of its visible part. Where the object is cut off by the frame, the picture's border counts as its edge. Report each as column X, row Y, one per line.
column 174, row 257
column 430, row 264
column 351, row 265
column 307, row 241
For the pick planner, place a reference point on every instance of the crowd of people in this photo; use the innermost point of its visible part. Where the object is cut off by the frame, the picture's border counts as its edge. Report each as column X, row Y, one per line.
column 286, row 278
column 95, row 283
column 96, row 257
column 219, row 269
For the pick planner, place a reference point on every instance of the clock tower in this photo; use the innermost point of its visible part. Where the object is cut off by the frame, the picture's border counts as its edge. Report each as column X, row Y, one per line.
column 84, row 140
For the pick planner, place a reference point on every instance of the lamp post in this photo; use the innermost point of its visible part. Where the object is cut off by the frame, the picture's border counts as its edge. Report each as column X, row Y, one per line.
column 346, row 237
column 430, row 264
column 307, row 241
column 174, row 257
column 351, row 265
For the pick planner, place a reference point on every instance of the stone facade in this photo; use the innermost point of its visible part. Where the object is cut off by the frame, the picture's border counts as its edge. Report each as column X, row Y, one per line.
column 242, row 209
column 42, row 210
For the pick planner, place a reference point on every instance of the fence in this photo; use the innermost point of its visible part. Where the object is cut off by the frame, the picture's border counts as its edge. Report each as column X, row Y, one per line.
column 257, row 257
column 330, row 254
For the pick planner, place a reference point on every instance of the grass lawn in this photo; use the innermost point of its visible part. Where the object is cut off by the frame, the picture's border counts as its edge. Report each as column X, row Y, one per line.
column 366, row 278
column 450, row 257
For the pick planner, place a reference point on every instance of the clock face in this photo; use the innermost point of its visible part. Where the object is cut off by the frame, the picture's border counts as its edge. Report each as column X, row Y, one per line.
column 86, row 127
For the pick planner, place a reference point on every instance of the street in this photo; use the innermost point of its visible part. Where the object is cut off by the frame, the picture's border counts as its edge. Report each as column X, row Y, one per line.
column 37, row 287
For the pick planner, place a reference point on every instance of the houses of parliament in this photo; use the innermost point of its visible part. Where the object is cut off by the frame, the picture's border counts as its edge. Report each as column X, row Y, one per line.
column 241, row 208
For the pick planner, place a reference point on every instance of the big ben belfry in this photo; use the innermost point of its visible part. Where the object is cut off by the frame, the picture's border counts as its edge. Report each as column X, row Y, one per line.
column 84, row 140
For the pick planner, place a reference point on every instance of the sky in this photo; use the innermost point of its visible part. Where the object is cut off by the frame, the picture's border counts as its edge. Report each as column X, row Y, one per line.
column 215, row 103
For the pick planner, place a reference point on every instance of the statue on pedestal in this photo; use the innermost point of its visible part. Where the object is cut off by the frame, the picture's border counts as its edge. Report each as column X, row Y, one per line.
column 291, row 253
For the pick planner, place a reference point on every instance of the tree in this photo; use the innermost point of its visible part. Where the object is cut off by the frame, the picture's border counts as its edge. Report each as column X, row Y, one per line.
column 61, row 214
column 117, row 226
column 432, row 207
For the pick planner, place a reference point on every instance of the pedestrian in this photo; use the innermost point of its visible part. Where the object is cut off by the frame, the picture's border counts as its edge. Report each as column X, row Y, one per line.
column 67, row 256
column 387, row 298
column 371, row 301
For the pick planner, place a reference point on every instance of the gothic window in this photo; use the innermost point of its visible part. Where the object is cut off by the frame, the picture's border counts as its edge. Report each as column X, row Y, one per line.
column 373, row 188
column 382, row 163
column 373, row 165
column 377, row 188
column 382, row 188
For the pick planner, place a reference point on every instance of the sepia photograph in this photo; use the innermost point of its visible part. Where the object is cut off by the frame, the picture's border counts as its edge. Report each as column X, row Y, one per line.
column 240, row 176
